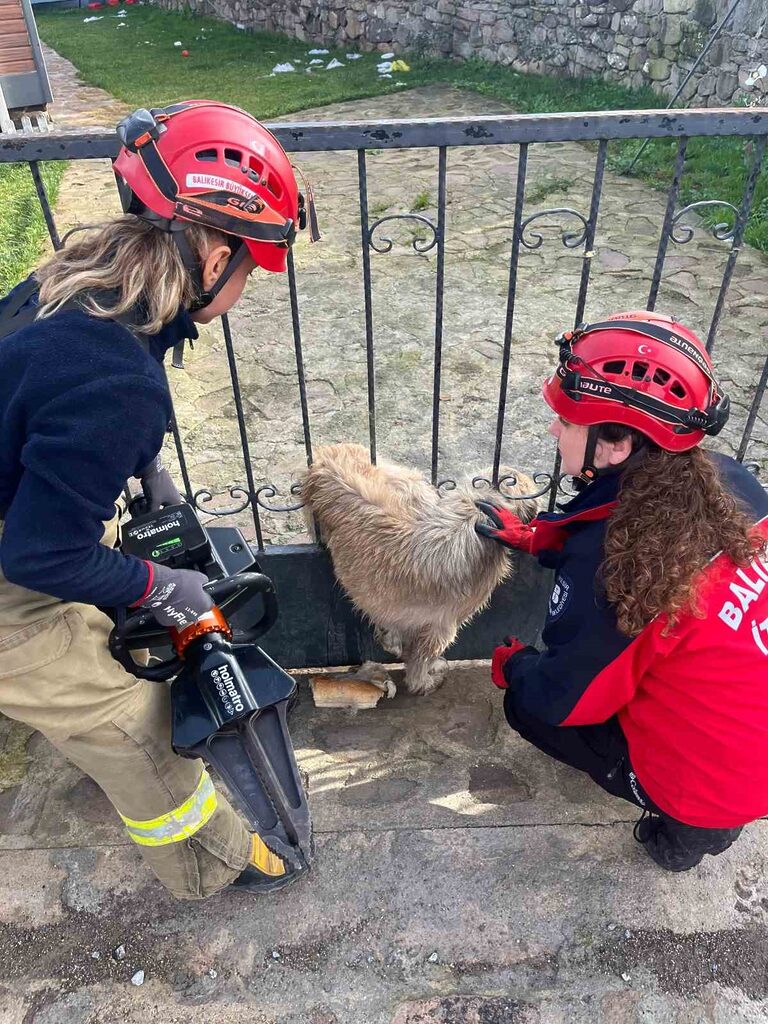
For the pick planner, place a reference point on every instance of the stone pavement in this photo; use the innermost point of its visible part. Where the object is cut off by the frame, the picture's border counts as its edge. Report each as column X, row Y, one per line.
column 461, row 877
column 480, row 188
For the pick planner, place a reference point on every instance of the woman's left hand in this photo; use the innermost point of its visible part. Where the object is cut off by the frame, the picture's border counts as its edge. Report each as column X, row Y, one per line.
column 501, row 656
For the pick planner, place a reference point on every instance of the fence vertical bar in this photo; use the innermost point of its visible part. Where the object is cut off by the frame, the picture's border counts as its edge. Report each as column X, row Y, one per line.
column 439, row 285
column 522, row 167
column 299, row 357
column 243, row 432
column 754, row 408
column 666, row 228
column 589, row 240
column 45, row 205
column 738, row 236
column 363, row 182
column 181, row 456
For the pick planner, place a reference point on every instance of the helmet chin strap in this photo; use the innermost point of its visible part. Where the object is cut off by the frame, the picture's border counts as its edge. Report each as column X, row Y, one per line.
column 589, row 472
column 204, row 297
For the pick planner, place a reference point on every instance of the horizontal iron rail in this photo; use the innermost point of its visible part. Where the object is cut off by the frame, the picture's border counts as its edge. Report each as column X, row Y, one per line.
column 511, row 129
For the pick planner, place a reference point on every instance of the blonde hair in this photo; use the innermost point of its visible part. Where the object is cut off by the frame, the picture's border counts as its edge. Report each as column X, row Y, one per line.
column 124, row 266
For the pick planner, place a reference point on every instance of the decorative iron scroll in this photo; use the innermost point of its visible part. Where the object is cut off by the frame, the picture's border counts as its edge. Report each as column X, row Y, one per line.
column 419, row 244
column 481, row 482
column 564, row 487
column 722, row 232
column 203, row 496
column 269, row 490
column 570, row 239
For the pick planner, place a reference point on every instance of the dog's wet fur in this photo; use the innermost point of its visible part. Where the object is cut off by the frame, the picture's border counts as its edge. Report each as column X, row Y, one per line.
column 408, row 557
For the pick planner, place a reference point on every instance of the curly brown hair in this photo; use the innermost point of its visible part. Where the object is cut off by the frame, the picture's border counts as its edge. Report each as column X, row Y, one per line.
column 673, row 515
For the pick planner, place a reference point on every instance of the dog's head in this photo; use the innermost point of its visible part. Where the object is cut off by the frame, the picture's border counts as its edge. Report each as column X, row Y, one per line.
column 516, row 491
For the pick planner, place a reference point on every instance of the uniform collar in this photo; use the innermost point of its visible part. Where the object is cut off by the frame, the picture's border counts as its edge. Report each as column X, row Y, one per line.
column 181, row 328
column 596, row 501
column 600, row 492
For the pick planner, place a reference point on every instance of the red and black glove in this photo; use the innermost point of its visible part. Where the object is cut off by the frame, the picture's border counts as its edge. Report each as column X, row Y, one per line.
column 509, row 530
column 502, row 656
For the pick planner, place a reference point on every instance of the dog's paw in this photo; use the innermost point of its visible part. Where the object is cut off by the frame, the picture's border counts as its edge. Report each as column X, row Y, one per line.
column 438, row 670
column 390, row 640
column 427, row 677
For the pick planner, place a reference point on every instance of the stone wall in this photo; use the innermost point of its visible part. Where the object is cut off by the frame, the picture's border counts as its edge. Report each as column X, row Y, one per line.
column 635, row 42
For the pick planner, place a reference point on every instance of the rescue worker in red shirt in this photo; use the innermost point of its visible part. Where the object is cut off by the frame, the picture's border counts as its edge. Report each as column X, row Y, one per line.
column 654, row 675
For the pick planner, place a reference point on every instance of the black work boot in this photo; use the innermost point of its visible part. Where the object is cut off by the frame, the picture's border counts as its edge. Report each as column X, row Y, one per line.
column 265, row 872
column 678, row 847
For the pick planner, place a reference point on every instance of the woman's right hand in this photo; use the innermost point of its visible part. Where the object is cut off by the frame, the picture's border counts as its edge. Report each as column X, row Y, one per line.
column 508, row 529
column 176, row 597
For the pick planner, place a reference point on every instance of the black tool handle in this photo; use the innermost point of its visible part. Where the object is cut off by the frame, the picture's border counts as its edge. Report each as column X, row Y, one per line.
column 142, row 630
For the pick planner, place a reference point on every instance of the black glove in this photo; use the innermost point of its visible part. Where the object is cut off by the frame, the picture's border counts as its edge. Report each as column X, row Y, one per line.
column 158, row 486
column 176, row 596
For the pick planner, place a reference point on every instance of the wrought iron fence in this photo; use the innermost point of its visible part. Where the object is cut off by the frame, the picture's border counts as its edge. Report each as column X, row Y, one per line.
column 442, row 135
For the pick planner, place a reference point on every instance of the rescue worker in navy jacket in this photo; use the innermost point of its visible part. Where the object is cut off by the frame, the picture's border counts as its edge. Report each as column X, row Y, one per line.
column 654, row 673
column 209, row 195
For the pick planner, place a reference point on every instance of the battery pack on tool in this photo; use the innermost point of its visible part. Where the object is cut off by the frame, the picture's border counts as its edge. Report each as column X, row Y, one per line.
column 172, row 536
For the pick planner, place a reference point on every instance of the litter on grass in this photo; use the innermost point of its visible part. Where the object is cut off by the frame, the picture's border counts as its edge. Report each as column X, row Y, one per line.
column 279, row 69
column 333, row 64
column 314, row 53
column 354, row 56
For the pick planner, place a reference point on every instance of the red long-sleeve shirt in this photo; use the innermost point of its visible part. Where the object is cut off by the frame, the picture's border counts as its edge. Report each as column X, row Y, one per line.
column 693, row 705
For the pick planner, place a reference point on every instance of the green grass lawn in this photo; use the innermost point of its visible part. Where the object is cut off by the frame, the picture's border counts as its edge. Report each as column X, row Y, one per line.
column 141, row 65
column 22, row 228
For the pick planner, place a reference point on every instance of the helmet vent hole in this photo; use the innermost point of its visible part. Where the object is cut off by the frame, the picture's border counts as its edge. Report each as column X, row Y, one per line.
column 660, row 377
column 615, row 366
column 233, row 157
column 639, row 371
column 207, row 156
column 677, row 390
column 274, row 186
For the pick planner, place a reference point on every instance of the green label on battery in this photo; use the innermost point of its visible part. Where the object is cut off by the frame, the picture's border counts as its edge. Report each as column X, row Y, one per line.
column 165, row 547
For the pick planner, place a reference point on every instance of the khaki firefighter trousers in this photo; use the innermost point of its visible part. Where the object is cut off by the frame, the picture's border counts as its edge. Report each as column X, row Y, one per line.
column 57, row 676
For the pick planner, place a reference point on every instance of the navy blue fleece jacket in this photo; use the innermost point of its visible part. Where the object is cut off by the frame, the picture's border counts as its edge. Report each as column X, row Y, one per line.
column 83, row 407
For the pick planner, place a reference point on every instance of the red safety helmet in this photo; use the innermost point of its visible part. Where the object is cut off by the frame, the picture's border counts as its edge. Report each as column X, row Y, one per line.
column 643, row 370
column 203, row 162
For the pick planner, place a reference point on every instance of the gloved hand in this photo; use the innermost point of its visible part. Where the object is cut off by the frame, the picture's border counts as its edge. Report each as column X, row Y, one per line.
column 508, row 529
column 176, row 596
column 158, row 486
column 501, row 656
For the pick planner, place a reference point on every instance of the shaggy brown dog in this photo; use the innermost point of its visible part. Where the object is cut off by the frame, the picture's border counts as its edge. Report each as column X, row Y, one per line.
column 408, row 557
